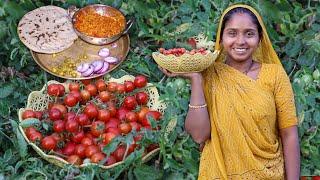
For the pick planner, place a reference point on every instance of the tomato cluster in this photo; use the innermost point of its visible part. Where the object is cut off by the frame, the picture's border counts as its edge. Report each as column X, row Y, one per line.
column 180, row 51
column 89, row 115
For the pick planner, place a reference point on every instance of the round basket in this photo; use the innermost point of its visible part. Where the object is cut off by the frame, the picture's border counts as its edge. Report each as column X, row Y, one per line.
column 185, row 63
column 39, row 100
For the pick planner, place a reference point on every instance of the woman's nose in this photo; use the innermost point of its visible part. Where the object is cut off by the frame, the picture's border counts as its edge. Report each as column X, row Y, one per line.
column 240, row 39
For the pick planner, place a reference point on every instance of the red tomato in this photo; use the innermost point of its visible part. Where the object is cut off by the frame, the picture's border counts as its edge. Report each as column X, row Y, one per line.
column 104, row 115
column 132, row 147
column 35, row 136
column 69, row 148
column 113, row 122
column 38, row 114
column 85, row 95
column 69, row 115
column 112, row 110
column 83, row 119
column 114, row 130
column 104, row 96
column 48, row 143
column 86, row 81
column 60, row 107
column 77, row 136
column 97, row 128
column 92, row 89
column 58, row 126
column 135, row 126
column 74, row 86
column 315, row 177
column 91, row 111
column 80, row 150
column 154, row 114
column 120, row 88
column 121, row 113
column 119, row 153
column 57, row 137
column 128, row 86
column 125, row 128
column 142, row 98
column 53, row 90
column 76, row 94
column 28, row 114
column 74, row 159
column 142, row 113
column 61, row 90
column 112, row 86
column 87, row 141
column 140, row 81
column 107, row 137
column 97, row 157
column 30, row 130
column 72, row 125
column 90, row 150
column 70, row 100
column 55, row 114
column 192, row 42
column 131, row 116
column 130, row 102
column 111, row 160
column 101, row 85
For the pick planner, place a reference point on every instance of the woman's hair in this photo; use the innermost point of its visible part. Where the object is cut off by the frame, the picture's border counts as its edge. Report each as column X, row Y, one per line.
column 234, row 11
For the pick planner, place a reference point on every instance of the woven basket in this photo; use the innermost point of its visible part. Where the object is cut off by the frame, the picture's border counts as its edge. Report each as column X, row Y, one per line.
column 39, row 100
column 185, row 63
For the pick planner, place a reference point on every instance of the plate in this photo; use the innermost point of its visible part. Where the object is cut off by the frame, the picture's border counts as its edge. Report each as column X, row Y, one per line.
column 64, row 64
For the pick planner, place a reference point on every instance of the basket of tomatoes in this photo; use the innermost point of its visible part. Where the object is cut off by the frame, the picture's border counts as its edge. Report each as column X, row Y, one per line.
column 73, row 122
column 180, row 60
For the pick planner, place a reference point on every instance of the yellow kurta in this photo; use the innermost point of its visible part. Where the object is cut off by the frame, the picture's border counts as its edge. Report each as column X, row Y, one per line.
column 246, row 116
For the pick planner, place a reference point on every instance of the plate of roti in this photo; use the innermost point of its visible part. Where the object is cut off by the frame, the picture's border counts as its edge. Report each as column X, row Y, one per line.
column 47, row 29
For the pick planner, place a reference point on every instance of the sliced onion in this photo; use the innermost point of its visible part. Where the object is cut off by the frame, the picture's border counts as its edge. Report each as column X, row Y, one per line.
column 104, row 68
column 104, row 52
column 98, row 64
column 83, row 67
column 88, row 72
column 111, row 60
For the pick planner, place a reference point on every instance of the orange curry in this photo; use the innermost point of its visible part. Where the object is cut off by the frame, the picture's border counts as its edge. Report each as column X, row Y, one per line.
column 104, row 24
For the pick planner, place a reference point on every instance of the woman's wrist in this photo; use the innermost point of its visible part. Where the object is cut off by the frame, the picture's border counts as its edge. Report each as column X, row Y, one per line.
column 196, row 77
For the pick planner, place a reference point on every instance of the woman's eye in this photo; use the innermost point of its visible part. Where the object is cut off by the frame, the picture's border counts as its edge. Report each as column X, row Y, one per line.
column 232, row 33
column 250, row 34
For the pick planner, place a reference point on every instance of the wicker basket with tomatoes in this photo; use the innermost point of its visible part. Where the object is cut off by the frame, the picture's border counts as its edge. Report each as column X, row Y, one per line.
column 180, row 60
column 73, row 123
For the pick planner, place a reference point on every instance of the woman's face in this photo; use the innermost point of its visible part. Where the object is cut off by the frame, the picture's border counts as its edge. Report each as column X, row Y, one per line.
column 240, row 37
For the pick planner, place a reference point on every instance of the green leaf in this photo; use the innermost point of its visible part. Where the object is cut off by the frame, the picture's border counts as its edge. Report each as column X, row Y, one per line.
column 29, row 122
column 14, row 9
column 144, row 172
column 22, row 145
column 6, row 90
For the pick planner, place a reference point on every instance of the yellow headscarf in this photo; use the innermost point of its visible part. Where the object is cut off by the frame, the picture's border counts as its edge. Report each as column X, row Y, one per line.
column 264, row 53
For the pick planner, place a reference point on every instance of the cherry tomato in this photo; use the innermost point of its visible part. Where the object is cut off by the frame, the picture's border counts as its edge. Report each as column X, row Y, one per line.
column 140, row 81
column 77, row 136
column 69, row 115
column 55, row 114
column 129, row 86
column 53, row 90
column 121, row 113
column 101, row 85
column 97, row 157
column 91, row 111
column 60, row 107
column 85, row 95
column 74, row 86
column 112, row 110
column 35, row 136
column 130, row 102
column 119, row 153
column 28, row 114
column 80, row 150
column 135, row 126
column 72, row 125
column 112, row 86
column 120, row 88
column 97, row 128
column 69, row 148
column 87, row 141
column 104, row 96
column 57, row 137
column 113, row 122
column 92, row 89
column 104, row 115
column 107, row 137
column 142, row 98
column 86, row 81
column 83, row 119
column 74, row 159
column 70, row 100
column 131, row 116
column 142, row 113
column 38, row 114
column 114, row 130
column 111, row 160
column 61, row 90
column 48, row 143
column 76, row 94
column 58, row 126
column 30, row 130
column 154, row 114
column 90, row 150
column 125, row 128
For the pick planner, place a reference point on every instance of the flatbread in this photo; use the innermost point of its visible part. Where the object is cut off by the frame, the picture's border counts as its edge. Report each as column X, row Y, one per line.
column 47, row 29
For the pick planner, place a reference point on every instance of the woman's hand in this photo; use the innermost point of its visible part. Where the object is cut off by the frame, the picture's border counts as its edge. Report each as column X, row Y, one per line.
column 191, row 76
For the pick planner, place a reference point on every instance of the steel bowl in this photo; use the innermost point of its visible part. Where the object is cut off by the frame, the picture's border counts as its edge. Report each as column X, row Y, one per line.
column 103, row 10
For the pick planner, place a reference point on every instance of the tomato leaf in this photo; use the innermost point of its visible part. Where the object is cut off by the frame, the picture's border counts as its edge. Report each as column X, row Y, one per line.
column 144, row 172
column 6, row 90
column 29, row 122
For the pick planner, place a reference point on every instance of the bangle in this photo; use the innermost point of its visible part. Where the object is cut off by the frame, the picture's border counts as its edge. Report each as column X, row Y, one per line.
column 197, row 106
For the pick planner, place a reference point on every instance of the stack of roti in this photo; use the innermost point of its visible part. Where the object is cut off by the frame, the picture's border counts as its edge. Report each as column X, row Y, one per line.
column 47, row 29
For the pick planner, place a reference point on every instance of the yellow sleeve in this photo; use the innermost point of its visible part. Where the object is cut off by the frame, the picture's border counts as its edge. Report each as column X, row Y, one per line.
column 284, row 98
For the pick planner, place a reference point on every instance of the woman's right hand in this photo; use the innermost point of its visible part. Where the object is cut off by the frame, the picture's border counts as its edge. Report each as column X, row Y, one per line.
column 191, row 76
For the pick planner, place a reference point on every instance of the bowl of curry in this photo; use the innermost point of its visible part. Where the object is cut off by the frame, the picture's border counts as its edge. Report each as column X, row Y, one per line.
column 99, row 24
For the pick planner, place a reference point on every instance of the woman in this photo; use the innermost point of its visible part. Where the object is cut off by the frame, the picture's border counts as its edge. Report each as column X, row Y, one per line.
column 242, row 107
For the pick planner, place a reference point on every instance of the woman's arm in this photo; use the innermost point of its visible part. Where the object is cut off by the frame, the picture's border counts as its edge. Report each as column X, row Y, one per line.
column 197, row 122
column 291, row 150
